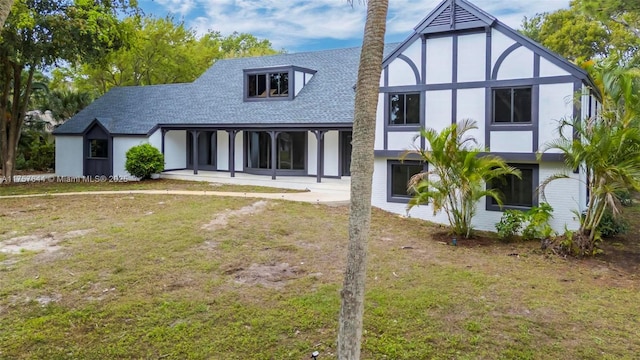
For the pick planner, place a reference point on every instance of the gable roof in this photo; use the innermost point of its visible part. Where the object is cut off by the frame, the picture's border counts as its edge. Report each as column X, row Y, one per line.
column 216, row 98
column 442, row 19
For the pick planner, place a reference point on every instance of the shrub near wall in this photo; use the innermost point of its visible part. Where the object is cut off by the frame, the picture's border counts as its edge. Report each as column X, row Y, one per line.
column 143, row 161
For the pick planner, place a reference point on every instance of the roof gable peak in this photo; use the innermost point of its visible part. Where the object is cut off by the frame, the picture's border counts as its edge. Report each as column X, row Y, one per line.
column 452, row 15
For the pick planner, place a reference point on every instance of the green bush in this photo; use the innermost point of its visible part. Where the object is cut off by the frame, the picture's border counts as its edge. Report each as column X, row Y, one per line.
column 144, row 160
column 510, row 224
column 611, row 226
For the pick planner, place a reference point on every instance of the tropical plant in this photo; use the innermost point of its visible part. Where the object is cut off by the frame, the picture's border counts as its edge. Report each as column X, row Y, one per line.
column 143, row 161
column 364, row 125
column 510, row 224
column 457, row 176
column 606, row 148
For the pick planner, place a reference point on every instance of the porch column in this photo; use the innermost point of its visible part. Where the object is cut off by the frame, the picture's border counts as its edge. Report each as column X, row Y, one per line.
column 274, row 148
column 194, row 137
column 232, row 152
column 163, row 132
column 319, row 154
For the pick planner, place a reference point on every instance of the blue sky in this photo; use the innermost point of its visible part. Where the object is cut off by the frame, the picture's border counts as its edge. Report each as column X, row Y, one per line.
column 304, row 25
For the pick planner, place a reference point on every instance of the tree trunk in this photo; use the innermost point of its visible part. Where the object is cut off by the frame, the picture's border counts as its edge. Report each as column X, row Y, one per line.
column 5, row 8
column 366, row 102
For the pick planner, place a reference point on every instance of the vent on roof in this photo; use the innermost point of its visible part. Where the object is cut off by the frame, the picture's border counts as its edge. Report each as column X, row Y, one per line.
column 443, row 19
column 463, row 16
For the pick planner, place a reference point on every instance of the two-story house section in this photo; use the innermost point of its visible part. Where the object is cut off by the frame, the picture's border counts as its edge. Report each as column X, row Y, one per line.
column 462, row 63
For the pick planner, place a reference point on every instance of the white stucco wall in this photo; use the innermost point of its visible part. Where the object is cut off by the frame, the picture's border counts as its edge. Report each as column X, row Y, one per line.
column 517, row 65
column 414, row 52
column 380, row 119
column 439, row 59
column 556, row 103
column 499, row 43
column 69, row 155
column 239, row 151
column 438, row 109
column 155, row 139
column 511, row 141
column 400, row 73
column 471, row 106
column 222, row 151
column 312, row 154
column 547, row 68
column 175, row 149
column 471, row 57
column 563, row 195
column 402, row 140
column 331, row 153
column 121, row 145
column 298, row 81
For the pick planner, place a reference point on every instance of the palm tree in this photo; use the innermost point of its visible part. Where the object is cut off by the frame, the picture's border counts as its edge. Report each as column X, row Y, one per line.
column 366, row 102
column 5, row 9
column 457, row 176
column 605, row 147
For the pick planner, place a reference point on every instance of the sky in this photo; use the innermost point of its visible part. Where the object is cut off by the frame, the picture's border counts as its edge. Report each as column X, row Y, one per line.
column 307, row 25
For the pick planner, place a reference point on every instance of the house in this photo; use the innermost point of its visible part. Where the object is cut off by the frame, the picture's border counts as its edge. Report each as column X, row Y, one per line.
column 291, row 114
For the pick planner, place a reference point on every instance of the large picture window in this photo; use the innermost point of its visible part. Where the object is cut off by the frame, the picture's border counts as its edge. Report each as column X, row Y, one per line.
column 404, row 109
column 516, row 193
column 400, row 173
column 512, row 105
column 268, row 85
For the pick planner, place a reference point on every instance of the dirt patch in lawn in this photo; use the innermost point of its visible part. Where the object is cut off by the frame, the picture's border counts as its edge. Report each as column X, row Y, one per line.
column 267, row 275
column 44, row 242
column 222, row 219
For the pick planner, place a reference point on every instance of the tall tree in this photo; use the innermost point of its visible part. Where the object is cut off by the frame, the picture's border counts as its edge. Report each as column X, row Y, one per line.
column 36, row 35
column 163, row 51
column 5, row 8
column 364, row 123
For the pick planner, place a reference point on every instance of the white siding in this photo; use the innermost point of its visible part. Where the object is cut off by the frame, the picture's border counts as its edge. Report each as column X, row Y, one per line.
column 471, row 106
column 402, row 140
column 556, row 103
column 331, row 153
column 121, row 145
column 69, row 155
column 438, row 109
column 547, row 68
column 239, row 151
column 517, row 65
column 400, row 73
column 155, row 139
column 222, row 151
column 312, row 154
column 380, row 119
column 175, row 149
column 471, row 57
column 439, row 59
column 512, row 141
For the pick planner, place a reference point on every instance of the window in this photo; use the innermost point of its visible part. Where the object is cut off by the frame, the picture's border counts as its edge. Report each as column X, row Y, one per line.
column 268, row 85
column 98, row 148
column 404, row 109
column 516, row 193
column 400, row 173
column 512, row 105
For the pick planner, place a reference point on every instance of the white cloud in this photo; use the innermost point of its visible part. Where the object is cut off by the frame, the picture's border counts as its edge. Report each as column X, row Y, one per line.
column 290, row 23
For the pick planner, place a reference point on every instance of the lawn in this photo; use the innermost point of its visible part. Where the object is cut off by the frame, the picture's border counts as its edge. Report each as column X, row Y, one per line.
column 41, row 187
column 176, row 277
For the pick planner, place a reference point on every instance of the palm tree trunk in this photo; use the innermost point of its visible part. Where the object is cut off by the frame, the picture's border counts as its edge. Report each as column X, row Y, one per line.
column 5, row 8
column 366, row 103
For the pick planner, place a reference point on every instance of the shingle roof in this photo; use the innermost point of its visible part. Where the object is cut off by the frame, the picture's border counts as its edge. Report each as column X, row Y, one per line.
column 216, row 97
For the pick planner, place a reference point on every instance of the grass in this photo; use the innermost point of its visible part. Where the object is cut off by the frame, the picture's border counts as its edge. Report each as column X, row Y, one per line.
column 146, row 281
column 160, row 184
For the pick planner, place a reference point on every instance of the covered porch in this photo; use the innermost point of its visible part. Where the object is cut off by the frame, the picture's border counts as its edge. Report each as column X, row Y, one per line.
column 323, row 152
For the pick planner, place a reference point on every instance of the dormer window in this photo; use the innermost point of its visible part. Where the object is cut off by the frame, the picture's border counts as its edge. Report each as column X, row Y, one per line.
column 277, row 83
